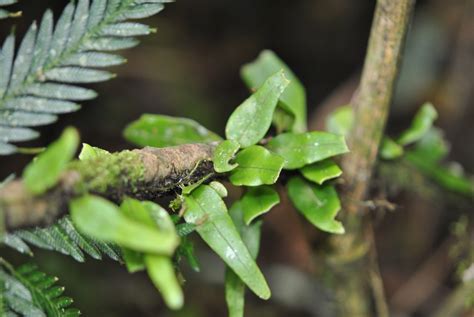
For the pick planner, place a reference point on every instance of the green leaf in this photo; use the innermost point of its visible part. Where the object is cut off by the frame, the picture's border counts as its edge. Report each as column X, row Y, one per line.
column 45, row 170
column 256, row 166
column 163, row 131
column 340, row 121
column 444, row 176
column 321, row 171
column 161, row 272
column 249, row 123
column 159, row 267
column 102, row 220
column 134, row 261
column 301, row 149
column 389, row 149
column 234, row 287
column 186, row 250
column 223, row 153
column 421, row 124
column 258, row 201
column 91, row 152
column 205, row 208
column 32, row 80
column 292, row 100
column 432, row 147
column 318, row 203
column 219, row 188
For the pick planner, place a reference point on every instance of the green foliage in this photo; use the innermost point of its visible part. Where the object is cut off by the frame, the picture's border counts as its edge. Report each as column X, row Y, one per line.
column 318, row 203
column 40, row 81
column 291, row 114
column 421, row 124
column 162, row 131
column 249, row 123
column 256, row 166
column 302, row 149
column 389, row 149
column 45, row 170
column 62, row 237
column 158, row 265
column 234, row 287
column 252, row 157
column 257, row 201
column 30, row 292
column 224, row 153
column 206, row 209
column 102, row 220
column 321, row 171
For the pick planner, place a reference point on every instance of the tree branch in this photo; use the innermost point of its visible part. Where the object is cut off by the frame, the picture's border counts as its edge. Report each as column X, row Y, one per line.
column 147, row 173
column 371, row 107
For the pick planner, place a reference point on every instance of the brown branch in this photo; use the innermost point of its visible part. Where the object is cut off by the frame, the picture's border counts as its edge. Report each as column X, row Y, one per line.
column 371, row 104
column 146, row 174
column 374, row 96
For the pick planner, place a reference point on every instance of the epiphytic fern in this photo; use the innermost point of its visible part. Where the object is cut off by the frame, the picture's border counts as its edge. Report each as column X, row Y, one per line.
column 40, row 82
column 26, row 291
column 62, row 237
column 5, row 13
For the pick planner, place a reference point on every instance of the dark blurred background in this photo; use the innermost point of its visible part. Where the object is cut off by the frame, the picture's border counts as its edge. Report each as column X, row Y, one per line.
column 190, row 68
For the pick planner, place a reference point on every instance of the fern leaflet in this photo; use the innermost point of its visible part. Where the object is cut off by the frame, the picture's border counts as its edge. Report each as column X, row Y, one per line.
column 62, row 237
column 40, row 81
column 26, row 291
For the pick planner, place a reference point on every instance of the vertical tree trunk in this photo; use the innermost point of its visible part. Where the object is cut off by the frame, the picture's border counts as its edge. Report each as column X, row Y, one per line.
column 354, row 266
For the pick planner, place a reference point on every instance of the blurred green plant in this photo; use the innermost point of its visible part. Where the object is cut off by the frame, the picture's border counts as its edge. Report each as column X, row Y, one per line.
column 266, row 150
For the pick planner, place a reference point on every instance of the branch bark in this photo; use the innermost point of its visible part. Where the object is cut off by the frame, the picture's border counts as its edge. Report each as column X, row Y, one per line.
column 147, row 173
column 354, row 265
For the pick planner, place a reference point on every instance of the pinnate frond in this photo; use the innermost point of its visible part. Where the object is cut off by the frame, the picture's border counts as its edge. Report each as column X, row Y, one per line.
column 39, row 81
column 26, row 291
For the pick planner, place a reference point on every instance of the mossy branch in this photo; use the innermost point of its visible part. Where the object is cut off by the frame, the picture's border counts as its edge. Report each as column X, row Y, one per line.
column 146, row 173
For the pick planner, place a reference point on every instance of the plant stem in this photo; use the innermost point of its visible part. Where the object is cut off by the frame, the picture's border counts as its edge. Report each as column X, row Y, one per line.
column 354, row 263
column 145, row 174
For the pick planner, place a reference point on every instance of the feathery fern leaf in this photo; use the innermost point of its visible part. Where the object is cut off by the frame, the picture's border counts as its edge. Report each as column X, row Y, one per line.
column 62, row 237
column 5, row 13
column 30, row 292
column 40, row 81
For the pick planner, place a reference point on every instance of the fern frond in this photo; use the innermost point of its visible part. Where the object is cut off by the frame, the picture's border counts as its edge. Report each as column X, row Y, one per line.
column 40, row 82
column 5, row 13
column 30, row 292
column 62, row 237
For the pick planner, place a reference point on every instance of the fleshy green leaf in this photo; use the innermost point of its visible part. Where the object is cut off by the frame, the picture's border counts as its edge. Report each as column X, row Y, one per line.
column 90, row 152
column 420, row 125
column 389, row 149
column 205, row 208
column 219, row 188
column 340, row 121
column 45, row 170
column 250, row 121
column 102, row 220
column 256, row 166
column 159, row 267
column 161, row 272
column 234, row 287
column 301, row 149
column 223, row 153
column 321, row 171
column 257, row 201
column 163, row 131
column 292, row 100
column 318, row 203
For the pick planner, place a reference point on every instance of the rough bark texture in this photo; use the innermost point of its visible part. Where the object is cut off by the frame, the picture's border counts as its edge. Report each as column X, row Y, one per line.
column 146, row 174
column 354, row 266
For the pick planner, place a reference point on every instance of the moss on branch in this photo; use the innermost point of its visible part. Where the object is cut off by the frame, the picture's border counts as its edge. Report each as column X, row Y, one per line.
column 146, row 173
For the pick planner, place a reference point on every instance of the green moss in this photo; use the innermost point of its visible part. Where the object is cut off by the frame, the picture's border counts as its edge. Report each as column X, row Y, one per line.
column 117, row 170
